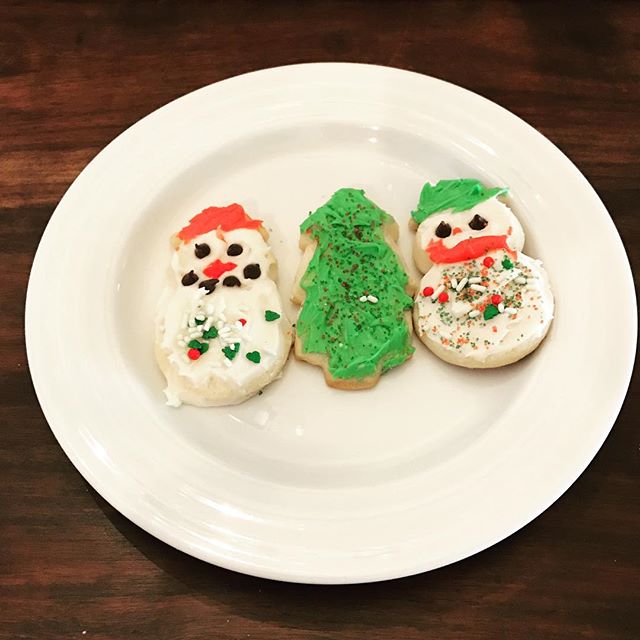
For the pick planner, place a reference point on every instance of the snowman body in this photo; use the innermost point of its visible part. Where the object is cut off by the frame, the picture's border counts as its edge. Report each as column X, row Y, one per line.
column 482, row 302
column 221, row 332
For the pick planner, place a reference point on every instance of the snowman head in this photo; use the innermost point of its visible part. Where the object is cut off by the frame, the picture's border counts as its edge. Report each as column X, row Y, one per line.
column 462, row 220
column 222, row 247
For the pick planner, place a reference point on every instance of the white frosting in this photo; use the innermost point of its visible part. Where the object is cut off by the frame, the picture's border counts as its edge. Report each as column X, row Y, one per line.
column 223, row 310
column 255, row 251
column 526, row 297
column 500, row 219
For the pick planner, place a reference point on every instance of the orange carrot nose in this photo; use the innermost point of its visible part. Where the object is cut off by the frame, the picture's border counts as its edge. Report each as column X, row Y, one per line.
column 217, row 268
column 456, row 230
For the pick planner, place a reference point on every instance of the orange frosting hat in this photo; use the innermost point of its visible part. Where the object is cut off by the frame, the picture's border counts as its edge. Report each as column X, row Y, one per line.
column 223, row 218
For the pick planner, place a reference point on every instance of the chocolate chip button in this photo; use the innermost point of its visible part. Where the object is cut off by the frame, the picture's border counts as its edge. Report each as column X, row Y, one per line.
column 234, row 250
column 443, row 230
column 252, row 271
column 231, row 281
column 477, row 223
column 202, row 250
column 209, row 285
column 189, row 278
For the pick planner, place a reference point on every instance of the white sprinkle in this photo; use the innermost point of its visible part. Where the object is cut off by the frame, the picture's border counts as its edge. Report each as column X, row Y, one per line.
column 474, row 314
column 454, row 283
column 225, row 331
column 235, row 347
column 362, row 298
column 372, row 299
column 207, row 324
column 227, row 362
column 462, row 284
column 219, row 324
column 501, row 307
column 238, row 325
column 475, row 280
column 510, row 310
column 437, row 292
column 478, row 287
column 520, row 280
column 191, row 323
column 210, row 309
column 200, row 316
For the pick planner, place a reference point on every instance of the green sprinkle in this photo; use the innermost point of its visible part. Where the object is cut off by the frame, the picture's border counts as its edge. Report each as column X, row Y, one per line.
column 270, row 316
column 195, row 344
column 254, row 356
column 507, row 264
column 210, row 333
column 490, row 311
column 232, row 351
column 204, row 348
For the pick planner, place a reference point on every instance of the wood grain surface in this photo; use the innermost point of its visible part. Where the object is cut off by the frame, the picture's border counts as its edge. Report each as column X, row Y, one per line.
column 75, row 74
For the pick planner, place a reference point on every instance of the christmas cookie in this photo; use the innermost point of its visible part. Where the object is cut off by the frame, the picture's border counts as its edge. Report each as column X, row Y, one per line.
column 481, row 303
column 355, row 320
column 221, row 333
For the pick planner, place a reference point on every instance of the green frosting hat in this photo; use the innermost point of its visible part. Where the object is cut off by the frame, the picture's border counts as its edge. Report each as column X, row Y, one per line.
column 458, row 195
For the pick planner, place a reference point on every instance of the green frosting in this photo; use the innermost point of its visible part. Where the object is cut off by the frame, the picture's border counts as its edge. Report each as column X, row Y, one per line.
column 457, row 195
column 352, row 261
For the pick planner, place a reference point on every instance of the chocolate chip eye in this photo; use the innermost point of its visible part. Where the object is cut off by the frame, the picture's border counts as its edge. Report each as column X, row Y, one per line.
column 231, row 281
column 252, row 271
column 209, row 285
column 202, row 250
column 478, row 223
column 189, row 278
column 443, row 230
column 234, row 250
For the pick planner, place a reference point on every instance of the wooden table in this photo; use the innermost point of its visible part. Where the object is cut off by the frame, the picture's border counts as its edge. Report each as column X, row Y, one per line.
column 73, row 76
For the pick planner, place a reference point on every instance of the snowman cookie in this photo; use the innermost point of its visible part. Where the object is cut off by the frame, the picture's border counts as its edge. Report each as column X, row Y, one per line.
column 481, row 303
column 356, row 297
column 221, row 332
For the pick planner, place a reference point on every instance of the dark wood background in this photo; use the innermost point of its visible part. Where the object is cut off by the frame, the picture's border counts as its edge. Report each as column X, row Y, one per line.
column 75, row 74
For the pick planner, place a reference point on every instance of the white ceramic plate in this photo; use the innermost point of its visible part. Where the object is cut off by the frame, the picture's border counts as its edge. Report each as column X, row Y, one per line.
column 307, row 483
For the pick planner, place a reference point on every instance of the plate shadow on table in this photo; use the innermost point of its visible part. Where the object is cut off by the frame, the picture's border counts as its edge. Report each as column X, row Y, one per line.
column 473, row 582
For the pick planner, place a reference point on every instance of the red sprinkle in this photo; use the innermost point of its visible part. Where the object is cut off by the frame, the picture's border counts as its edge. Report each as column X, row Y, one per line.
column 496, row 299
column 242, row 321
column 427, row 291
column 443, row 297
column 488, row 261
column 193, row 354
